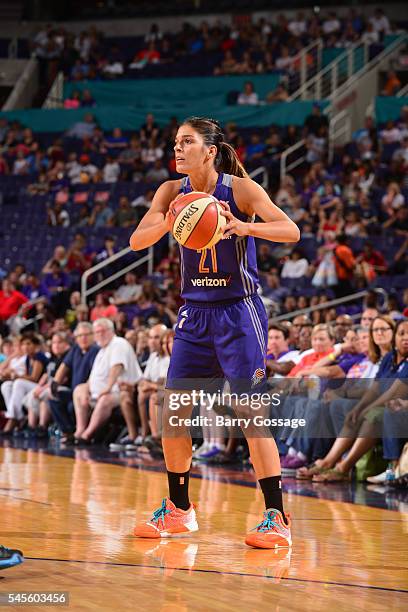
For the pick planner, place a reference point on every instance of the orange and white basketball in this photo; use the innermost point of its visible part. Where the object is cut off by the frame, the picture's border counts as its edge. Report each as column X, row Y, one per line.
column 198, row 221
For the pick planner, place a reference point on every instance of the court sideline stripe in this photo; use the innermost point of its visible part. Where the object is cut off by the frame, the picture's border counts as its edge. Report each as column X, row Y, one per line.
column 205, row 571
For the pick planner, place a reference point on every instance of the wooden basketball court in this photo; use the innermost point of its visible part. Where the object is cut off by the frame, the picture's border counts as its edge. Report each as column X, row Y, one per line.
column 74, row 518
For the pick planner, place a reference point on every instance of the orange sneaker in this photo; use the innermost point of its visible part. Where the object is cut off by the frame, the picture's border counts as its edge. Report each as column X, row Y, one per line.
column 272, row 532
column 168, row 521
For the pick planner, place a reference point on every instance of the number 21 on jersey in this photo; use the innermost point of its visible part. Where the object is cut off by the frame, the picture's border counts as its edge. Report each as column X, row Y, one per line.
column 202, row 268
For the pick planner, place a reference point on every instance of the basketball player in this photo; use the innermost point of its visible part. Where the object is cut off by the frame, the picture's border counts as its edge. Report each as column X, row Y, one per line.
column 10, row 557
column 222, row 329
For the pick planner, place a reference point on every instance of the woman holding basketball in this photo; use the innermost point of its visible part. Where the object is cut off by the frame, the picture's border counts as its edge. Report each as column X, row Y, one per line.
column 221, row 330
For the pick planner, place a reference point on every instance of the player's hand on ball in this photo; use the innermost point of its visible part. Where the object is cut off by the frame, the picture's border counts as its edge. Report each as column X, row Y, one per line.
column 170, row 214
column 234, row 225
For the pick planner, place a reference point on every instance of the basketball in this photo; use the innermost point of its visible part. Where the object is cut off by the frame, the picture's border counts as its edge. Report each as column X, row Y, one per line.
column 198, row 221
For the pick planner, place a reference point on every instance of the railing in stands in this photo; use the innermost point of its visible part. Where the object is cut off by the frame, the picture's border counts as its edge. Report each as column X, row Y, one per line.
column 326, row 81
column 19, row 322
column 339, row 132
column 403, row 92
column 55, row 97
column 87, row 291
column 331, row 304
column 265, row 177
column 286, row 167
column 307, row 63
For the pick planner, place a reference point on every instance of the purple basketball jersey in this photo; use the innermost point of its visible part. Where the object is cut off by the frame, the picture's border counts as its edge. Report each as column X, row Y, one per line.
column 226, row 271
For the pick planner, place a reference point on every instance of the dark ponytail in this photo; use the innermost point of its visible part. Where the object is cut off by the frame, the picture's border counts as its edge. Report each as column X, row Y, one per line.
column 226, row 159
column 229, row 161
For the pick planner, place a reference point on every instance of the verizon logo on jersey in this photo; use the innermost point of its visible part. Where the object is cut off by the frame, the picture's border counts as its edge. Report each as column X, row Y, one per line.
column 211, row 282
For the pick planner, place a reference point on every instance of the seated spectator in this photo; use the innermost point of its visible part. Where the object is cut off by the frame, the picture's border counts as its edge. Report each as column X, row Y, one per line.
column 14, row 364
column 101, row 215
column 131, row 153
column 228, row 65
column 298, row 25
column 151, row 152
column 256, row 149
column 21, row 166
column 114, row 364
column 149, row 129
column 372, row 261
column 296, row 266
column 113, row 66
column 285, row 60
column 331, row 24
column 15, row 390
column 354, row 226
column 84, row 128
column 74, row 100
column 380, row 22
column 398, row 222
column 54, row 286
column 37, row 400
column 157, row 174
column 390, row 134
column 125, row 215
column 248, row 96
column 280, row 94
column 370, row 36
column 116, row 142
column 148, row 55
column 322, row 344
column 59, row 255
column 74, row 301
column 86, row 172
column 87, row 100
column 11, row 301
column 111, row 170
column 266, row 64
column 315, row 121
column 392, row 200
column 392, row 85
column 401, row 154
column 246, row 65
column 144, row 200
column 107, row 251
column 279, row 358
column 73, row 371
column 57, row 215
column 156, row 368
column 103, row 308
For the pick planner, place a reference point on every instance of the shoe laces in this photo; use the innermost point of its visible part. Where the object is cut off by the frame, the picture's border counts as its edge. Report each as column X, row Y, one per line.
column 268, row 523
column 160, row 513
column 4, row 552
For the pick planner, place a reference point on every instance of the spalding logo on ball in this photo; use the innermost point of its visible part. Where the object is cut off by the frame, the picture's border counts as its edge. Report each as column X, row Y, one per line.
column 198, row 221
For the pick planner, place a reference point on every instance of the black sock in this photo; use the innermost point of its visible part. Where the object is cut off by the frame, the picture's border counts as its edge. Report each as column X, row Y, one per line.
column 272, row 491
column 178, row 489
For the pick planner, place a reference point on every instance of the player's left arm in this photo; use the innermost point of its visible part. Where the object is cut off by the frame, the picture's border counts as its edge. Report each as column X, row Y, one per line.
column 252, row 199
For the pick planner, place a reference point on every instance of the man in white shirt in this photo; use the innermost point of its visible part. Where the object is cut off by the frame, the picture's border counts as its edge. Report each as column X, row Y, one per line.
column 380, row 22
column 111, row 170
column 115, row 363
column 129, row 292
column 331, row 24
column 297, row 26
